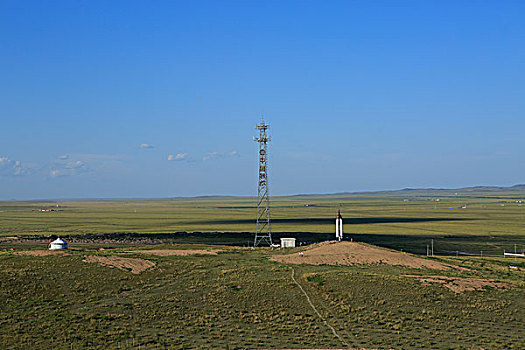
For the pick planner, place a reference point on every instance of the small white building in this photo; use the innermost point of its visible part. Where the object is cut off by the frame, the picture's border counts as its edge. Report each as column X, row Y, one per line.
column 287, row 242
column 57, row 244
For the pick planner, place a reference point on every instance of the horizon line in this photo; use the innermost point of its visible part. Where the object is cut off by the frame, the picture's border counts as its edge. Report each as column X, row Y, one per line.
column 254, row 196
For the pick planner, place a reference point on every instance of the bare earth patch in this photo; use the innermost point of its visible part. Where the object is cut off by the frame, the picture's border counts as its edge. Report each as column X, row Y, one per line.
column 351, row 253
column 461, row 284
column 178, row 252
column 127, row 264
column 40, row 252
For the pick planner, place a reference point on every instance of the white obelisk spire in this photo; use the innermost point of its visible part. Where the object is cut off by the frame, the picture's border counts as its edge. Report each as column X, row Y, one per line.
column 339, row 226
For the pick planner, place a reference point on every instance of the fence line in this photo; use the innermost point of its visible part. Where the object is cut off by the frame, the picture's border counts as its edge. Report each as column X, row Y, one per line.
column 482, row 253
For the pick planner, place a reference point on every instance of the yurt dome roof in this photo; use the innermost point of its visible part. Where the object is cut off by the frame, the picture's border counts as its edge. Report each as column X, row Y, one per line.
column 58, row 241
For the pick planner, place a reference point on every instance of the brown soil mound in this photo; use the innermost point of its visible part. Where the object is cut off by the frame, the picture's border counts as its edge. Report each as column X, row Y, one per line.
column 127, row 264
column 351, row 253
column 40, row 252
column 461, row 284
column 179, row 252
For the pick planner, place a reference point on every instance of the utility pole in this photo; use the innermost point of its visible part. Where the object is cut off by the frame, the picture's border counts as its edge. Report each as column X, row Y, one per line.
column 432, row 242
column 263, row 232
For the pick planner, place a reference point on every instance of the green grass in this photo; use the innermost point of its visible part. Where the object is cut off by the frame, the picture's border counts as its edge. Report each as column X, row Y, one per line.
column 402, row 220
column 239, row 299
column 372, row 214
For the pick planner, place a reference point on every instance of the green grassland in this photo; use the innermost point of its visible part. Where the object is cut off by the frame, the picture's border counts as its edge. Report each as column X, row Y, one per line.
column 239, row 299
column 407, row 218
column 406, row 213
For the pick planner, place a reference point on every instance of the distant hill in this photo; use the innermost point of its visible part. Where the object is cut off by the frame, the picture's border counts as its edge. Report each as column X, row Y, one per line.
column 516, row 190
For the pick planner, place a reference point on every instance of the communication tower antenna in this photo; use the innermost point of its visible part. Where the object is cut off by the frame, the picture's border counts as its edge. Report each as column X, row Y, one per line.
column 263, row 231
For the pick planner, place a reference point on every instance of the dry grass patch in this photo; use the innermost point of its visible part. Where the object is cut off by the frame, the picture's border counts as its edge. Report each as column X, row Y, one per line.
column 461, row 284
column 177, row 252
column 40, row 252
column 351, row 253
column 133, row 265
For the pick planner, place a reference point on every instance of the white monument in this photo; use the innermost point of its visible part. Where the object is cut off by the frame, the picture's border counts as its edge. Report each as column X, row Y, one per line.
column 339, row 226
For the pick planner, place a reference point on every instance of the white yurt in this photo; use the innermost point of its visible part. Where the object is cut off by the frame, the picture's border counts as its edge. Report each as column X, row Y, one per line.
column 57, row 244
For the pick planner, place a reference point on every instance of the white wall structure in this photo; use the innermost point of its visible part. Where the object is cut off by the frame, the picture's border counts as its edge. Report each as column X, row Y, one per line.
column 287, row 242
column 518, row 255
column 57, row 244
column 339, row 226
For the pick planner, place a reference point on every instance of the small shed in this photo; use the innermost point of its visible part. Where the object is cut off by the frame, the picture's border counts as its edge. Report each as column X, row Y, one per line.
column 57, row 244
column 287, row 242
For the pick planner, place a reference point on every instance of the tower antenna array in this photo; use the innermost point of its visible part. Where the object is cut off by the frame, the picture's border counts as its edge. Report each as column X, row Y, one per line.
column 263, row 232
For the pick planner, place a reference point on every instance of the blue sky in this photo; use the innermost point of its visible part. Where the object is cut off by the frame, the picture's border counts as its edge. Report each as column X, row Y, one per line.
column 160, row 99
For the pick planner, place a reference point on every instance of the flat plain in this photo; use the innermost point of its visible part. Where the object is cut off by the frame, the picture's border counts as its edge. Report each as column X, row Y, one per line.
column 235, row 297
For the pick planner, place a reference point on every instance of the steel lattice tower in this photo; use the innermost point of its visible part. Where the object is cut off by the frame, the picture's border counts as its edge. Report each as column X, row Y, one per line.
column 263, row 232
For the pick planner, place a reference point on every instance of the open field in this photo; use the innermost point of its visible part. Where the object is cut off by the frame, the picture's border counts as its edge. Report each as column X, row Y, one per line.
column 403, row 220
column 240, row 299
column 370, row 214
column 151, row 274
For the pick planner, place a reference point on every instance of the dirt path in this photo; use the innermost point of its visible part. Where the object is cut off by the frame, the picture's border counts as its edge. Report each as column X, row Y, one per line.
column 133, row 265
column 178, row 252
column 317, row 312
column 460, row 284
column 351, row 253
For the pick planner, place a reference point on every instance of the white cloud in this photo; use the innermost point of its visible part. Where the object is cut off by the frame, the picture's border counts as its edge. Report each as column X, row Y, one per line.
column 75, row 165
column 71, row 168
column 212, row 155
column 9, row 167
column 145, row 145
column 178, row 156
column 61, row 166
column 218, row 155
